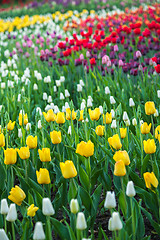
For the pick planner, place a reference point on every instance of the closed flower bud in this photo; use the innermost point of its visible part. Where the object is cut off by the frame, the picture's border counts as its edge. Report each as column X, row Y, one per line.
column 81, row 116
column 4, row 206
column 20, row 133
column 28, row 126
column 149, row 146
column 69, row 114
column 68, row 169
column 50, row 116
column 115, row 142
column 138, row 54
column 10, row 125
column 94, row 114
column 134, row 122
column 31, row 210
column 116, row 221
column 81, row 221
column 150, row 108
column 43, row 176
column 62, row 96
column 69, row 130
column 44, row 155
column 60, row 118
column 45, row 96
column 112, row 100
column 3, row 235
column 100, row 130
column 67, row 94
column 156, row 114
column 123, row 132
column 157, row 131
column 145, row 128
column 24, row 152
column 119, row 168
column 125, row 116
column 49, row 99
column 79, row 88
column 35, row 87
column 17, row 195
column 23, row 118
column 39, row 124
column 31, row 141
column 131, row 102
column 130, row 191
column 107, row 117
column 2, row 140
column 110, row 201
column 38, row 232
column 127, row 123
column 85, row 149
column 150, row 180
column 114, row 124
column 81, row 82
column 107, row 91
column 89, row 103
column 74, row 206
column 113, row 113
column 110, row 224
column 122, row 155
column 55, row 137
column 158, row 93
column 12, row 213
column 101, row 109
column 10, row 156
column 47, row 208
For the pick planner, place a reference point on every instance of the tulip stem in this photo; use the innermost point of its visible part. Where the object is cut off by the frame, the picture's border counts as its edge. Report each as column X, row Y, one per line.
column 132, row 212
column 124, row 195
column 59, row 152
column 13, row 231
column 49, row 227
column 152, row 125
column 5, row 223
column 141, row 138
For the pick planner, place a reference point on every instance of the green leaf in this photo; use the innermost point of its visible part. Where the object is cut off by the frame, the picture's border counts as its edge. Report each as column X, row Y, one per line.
column 72, row 190
column 71, row 233
column 85, row 198
column 122, row 203
column 84, row 179
column 60, row 229
column 2, row 177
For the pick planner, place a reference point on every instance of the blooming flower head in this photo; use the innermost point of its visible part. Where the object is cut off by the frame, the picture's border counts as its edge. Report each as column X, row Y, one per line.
column 31, row 210
column 17, row 195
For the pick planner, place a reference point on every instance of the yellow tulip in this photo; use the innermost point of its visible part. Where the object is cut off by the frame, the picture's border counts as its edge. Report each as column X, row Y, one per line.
column 50, row 116
column 145, row 128
column 85, row 149
column 68, row 114
column 108, row 118
column 68, row 169
column 94, row 114
column 31, row 210
column 10, row 125
column 25, row 119
column 150, row 180
column 119, row 169
column 2, row 140
column 81, row 116
column 123, row 132
column 100, row 130
column 17, row 195
column 43, row 176
column 157, row 132
column 115, row 142
column 31, row 141
column 10, row 156
column 150, row 108
column 24, row 153
column 44, row 154
column 122, row 155
column 60, row 118
column 56, row 137
column 149, row 146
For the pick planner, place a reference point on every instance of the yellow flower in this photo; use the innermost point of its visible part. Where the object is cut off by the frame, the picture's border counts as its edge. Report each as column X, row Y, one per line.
column 157, row 132
column 150, row 180
column 68, row 114
column 50, row 116
column 17, row 195
column 119, row 169
column 10, row 156
column 60, row 118
column 24, row 152
column 150, row 108
column 31, row 141
column 81, row 115
column 56, row 137
column 85, row 149
column 145, row 128
column 115, row 142
column 108, row 118
column 149, row 146
column 68, row 169
column 44, row 154
column 10, row 125
column 43, row 176
column 100, row 130
column 122, row 155
column 94, row 114
column 31, row 210
column 2, row 140
column 25, row 119
column 123, row 132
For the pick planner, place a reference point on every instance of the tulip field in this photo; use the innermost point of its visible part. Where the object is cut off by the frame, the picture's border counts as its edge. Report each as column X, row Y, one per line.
column 79, row 121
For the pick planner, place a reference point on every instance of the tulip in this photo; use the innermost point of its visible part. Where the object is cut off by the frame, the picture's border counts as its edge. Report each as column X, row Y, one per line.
column 149, row 146
column 122, row 155
column 2, row 140
column 130, row 190
column 31, row 141
column 56, row 137
column 123, row 132
column 150, row 180
column 17, row 195
column 10, row 125
column 4, row 206
column 100, row 130
column 110, row 224
column 74, row 206
column 68, row 169
column 157, row 132
column 81, row 221
column 25, row 119
column 44, row 154
column 3, row 235
column 50, row 116
column 31, row 210
column 10, row 156
column 134, row 122
column 115, row 142
column 60, row 118
column 85, row 149
column 116, row 221
column 12, row 213
column 47, row 208
column 119, row 168
column 43, row 176
column 38, row 232
column 81, row 116
column 94, row 114
column 145, row 128
column 68, row 114
column 110, row 201
column 24, row 152
column 150, row 108
column 108, row 118
column 114, row 124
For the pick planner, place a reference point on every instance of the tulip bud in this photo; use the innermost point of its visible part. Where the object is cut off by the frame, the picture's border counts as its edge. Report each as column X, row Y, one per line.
column 47, row 207
column 131, row 102
column 62, row 96
column 116, row 221
column 38, row 232
column 138, row 54
column 67, row 94
column 74, row 206
column 113, row 124
column 110, row 201
column 127, row 123
column 112, row 100
column 39, row 124
column 44, row 96
column 4, row 206
column 107, row 91
column 35, row 87
column 3, row 235
column 12, row 213
column 81, row 83
column 125, row 116
column 110, row 224
column 28, row 126
column 20, row 133
column 81, row 221
column 130, row 191
column 134, row 122
column 79, row 88
column 158, row 93
column 89, row 103
column 113, row 113
column 156, row 114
